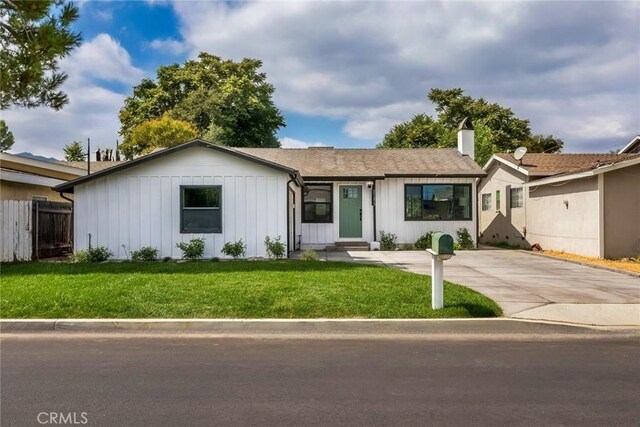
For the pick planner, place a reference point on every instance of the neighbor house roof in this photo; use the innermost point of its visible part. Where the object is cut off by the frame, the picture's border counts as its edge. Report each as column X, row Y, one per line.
column 632, row 147
column 548, row 164
column 592, row 170
column 26, row 165
column 318, row 163
column 95, row 166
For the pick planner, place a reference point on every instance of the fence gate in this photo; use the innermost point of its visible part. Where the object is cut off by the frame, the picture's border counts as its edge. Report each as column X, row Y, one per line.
column 52, row 229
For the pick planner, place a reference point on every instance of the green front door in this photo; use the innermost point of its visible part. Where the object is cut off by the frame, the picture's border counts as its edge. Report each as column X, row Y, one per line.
column 350, row 211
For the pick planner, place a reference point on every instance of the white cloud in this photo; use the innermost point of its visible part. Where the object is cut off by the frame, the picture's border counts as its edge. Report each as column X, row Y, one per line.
column 172, row 46
column 92, row 110
column 287, row 142
column 371, row 63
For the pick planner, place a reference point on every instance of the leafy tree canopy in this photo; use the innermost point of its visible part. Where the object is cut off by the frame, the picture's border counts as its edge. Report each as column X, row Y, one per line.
column 497, row 129
column 74, row 152
column 6, row 137
column 157, row 133
column 226, row 102
column 34, row 35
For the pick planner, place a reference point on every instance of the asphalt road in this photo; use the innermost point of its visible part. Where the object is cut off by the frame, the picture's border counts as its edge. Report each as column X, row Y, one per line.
column 220, row 381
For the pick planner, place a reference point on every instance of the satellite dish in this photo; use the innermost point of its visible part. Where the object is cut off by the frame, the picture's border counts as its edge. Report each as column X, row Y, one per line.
column 519, row 153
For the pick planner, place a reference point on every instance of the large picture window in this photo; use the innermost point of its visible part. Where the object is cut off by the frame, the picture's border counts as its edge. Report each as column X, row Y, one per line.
column 201, row 209
column 437, row 202
column 317, row 203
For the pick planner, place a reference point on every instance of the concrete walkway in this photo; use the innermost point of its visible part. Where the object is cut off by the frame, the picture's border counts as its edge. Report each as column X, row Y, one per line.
column 528, row 286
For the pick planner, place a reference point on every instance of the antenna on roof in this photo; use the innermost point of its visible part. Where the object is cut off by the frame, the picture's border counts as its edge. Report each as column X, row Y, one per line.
column 519, row 153
column 88, row 156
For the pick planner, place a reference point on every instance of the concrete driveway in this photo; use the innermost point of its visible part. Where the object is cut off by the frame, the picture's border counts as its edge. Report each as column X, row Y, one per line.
column 529, row 286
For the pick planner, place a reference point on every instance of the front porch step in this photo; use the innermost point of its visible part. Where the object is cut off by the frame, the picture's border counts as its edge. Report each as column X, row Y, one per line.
column 349, row 246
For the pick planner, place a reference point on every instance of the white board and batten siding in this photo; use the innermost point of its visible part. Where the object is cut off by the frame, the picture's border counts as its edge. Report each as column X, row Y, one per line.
column 17, row 230
column 390, row 210
column 140, row 206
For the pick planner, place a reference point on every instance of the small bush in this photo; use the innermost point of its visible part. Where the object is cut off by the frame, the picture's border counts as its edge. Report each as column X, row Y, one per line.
column 424, row 241
column 388, row 241
column 97, row 254
column 167, row 259
column 146, row 253
column 215, row 259
column 192, row 250
column 408, row 247
column 235, row 249
column 275, row 248
column 310, row 255
column 464, row 238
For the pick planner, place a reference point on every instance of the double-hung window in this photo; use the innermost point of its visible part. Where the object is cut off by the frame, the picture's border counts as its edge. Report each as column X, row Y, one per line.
column 201, row 209
column 517, row 197
column 497, row 200
column 317, row 203
column 437, row 202
column 486, row 201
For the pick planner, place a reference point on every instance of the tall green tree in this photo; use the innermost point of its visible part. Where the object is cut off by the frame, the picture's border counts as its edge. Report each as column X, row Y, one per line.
column 497, row 129
column 74, row 152
column 34, row 35
column 227, row 102
column 158, row 133
column 6, row 137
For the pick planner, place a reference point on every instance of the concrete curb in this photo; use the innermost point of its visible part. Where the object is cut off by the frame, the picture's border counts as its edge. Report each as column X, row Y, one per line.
column 301, row 327
column 586, row 264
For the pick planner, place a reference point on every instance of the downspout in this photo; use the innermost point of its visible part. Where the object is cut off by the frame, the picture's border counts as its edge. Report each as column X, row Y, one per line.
column 293, row 178
column 373, row 203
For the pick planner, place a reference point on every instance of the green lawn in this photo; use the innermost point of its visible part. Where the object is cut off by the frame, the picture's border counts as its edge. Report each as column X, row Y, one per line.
column 238, row 289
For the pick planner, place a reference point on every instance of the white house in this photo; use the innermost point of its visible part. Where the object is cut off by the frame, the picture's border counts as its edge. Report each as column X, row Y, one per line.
column 312, row 198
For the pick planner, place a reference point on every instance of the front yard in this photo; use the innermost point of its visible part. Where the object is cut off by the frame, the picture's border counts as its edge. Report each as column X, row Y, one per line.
column 238, row 289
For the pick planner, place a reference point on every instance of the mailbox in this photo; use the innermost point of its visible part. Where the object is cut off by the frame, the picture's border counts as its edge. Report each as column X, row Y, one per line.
column 442, row 243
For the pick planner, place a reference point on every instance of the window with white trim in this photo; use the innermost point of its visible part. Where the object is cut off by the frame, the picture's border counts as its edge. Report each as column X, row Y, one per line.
column 517, row 197
column 486, row 201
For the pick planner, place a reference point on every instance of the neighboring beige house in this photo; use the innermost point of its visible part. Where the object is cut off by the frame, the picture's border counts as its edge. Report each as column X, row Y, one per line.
column 22, row 178
column 586, row 204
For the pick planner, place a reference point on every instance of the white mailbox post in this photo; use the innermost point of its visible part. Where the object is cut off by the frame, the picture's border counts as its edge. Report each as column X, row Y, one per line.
column 442, row 250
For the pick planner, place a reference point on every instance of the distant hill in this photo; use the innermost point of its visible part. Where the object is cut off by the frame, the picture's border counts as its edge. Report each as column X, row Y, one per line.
column 36, row 157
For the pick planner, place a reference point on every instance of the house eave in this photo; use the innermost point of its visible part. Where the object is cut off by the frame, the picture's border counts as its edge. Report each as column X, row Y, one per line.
column 69, row 186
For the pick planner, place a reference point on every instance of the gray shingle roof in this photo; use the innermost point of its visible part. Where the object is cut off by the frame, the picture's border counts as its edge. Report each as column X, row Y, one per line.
column 370, row 163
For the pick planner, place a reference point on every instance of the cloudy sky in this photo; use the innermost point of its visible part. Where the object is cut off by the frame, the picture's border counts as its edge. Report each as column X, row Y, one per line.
column 345, row 72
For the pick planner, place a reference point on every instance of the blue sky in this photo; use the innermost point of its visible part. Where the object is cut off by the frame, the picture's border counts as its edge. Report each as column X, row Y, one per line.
column 345, row 72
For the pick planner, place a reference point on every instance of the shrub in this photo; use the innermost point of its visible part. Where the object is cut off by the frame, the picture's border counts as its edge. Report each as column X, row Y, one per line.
column 235, row 249
column 97, row 254
column 464, row 238
column 275, row 248
column 408, row 247
column 424, row 241
column 215, row 259
column 310, row 255
column 145, row 253
column 167, row 259
column 388, row 241
column 192, row 250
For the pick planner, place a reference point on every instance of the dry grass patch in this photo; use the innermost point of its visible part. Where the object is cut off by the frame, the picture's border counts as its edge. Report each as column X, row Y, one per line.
column 627, row 264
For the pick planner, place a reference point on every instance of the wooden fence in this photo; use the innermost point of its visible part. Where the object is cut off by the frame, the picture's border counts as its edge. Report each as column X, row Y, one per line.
column 52, row 229
column 17, row 230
